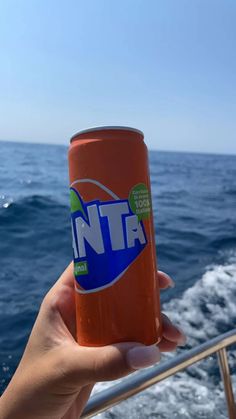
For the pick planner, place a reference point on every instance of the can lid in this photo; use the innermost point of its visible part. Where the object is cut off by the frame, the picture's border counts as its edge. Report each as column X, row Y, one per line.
column 107, row 128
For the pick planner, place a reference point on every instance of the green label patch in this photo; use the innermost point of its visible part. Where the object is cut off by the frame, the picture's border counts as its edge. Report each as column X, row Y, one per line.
column 81, row 268
column 140, row 201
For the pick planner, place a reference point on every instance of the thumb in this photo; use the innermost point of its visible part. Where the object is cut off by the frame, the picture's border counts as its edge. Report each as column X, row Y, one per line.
column 88, row 365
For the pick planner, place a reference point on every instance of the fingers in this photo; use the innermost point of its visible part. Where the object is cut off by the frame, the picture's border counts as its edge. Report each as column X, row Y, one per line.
column 59, row 304
column 172, row 335
column 62, row 295
column 165, row 281
column 171, row 332
column 88, row 365
column 62, row 301
column 66, row 278
column 65, row 282
column 167, row 346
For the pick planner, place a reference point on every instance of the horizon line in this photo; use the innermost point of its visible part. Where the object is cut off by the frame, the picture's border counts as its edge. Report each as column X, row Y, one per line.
column 213, row 153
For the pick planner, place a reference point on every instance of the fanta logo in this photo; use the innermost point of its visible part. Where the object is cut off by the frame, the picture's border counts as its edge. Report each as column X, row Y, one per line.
column 123, row 228
column 107, row 238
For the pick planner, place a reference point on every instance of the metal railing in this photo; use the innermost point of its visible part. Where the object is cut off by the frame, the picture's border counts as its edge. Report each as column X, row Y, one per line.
column 144, row 379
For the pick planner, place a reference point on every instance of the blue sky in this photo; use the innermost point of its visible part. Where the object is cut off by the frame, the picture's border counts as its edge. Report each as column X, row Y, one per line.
column 167, row 67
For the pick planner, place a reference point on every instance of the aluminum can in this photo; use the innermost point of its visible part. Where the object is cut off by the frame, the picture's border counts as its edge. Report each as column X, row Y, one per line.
column 116, row 288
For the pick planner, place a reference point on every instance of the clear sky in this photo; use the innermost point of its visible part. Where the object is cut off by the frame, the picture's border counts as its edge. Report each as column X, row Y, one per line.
column 167, row 67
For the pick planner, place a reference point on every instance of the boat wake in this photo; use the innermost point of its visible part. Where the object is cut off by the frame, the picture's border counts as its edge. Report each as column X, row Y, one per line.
column 205, row 310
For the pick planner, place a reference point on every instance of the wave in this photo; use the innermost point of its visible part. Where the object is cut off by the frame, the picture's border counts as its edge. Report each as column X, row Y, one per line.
column 30, row 202
column 208, row 308
column 224, row 242
column 229, row 191
column 30, row 213
column 35, row 229
column 203, row 311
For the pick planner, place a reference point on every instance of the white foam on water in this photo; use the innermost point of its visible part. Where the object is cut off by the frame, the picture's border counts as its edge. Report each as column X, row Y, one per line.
column 5, row 201
column 205, row 310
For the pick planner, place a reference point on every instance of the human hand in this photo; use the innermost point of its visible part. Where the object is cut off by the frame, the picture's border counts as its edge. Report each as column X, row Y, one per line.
column 56, row 375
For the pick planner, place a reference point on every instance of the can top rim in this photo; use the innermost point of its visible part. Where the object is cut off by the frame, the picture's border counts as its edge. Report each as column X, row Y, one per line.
column 106, row 128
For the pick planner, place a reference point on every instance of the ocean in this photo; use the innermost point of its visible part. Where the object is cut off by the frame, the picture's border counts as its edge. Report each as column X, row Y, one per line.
column 194, row 202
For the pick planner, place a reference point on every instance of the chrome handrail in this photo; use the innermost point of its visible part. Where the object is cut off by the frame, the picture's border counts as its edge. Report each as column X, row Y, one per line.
column 134, row 384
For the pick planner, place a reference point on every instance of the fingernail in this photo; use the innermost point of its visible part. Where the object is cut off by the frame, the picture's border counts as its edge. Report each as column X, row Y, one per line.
column 143, row 356
column 182, row 339
column 171, row 283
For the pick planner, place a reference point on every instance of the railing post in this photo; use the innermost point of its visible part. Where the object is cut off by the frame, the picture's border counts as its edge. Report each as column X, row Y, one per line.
column 225, row 375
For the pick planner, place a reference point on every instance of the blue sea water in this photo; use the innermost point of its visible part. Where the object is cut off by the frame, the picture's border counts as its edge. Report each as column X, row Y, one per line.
column 194, row 202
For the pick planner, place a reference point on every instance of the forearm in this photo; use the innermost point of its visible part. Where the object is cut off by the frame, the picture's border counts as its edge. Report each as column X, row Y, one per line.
column 14, row 405
column 29, row 396
column 35, row 393
column 10, row 408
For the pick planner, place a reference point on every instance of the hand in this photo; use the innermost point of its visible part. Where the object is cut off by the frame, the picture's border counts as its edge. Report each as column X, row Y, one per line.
column 56, row 375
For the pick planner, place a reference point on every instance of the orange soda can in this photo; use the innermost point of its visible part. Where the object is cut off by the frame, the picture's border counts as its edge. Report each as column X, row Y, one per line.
column 117, row 294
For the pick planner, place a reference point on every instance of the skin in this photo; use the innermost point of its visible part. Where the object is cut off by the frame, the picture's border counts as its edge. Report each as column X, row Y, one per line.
column 55, row 376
